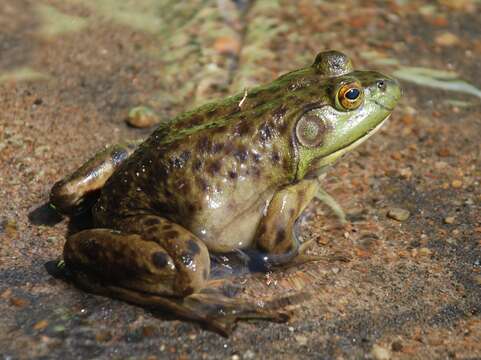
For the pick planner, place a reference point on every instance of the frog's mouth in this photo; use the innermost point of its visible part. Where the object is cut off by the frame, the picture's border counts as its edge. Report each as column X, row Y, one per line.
column 329, row 159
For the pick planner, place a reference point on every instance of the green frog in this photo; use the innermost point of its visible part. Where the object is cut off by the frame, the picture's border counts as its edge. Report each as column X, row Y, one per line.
column 232, row 175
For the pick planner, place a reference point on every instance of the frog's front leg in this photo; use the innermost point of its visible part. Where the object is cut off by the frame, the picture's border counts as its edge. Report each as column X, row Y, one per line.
column 275, row 235
column 329, row 201
column 72, row 194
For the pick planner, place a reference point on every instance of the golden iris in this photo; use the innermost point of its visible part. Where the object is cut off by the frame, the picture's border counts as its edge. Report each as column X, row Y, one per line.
column 350, row 96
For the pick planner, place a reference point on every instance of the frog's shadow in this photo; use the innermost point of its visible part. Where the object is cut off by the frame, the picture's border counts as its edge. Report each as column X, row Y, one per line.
column 46, row 215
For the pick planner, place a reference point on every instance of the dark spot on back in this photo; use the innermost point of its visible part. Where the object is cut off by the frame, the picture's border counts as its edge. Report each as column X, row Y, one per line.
column 228, row 147
column 241, row 154
column 180, row 161
column 159, row 259
column 217, row 147
column 203, row 144
column 233, row 175
column 256, row 157
column 279, row 113
column 243, row 128
column 193, row 247
column 196, row 165
column 214, row 167
column 265, row 132
column 201, row 183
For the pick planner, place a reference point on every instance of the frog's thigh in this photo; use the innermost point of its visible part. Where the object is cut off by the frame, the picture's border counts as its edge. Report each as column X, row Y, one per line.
column 276, row 231
column 187, row 251
column 140, row 262
column 69, row 194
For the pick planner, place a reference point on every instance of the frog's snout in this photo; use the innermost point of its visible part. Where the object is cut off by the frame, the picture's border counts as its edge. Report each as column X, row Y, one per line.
column 390, row 87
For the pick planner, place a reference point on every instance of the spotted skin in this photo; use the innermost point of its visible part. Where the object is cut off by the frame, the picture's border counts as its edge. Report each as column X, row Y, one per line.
column 231, row 175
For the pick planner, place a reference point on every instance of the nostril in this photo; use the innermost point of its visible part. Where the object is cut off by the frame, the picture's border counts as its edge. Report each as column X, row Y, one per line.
column 381, row 84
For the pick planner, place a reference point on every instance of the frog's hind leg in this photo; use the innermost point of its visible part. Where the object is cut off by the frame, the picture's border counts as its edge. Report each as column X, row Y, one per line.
column 76, row 192
column 157, row 263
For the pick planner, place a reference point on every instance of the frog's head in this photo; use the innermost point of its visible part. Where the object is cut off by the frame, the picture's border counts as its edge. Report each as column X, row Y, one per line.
column 355, row 105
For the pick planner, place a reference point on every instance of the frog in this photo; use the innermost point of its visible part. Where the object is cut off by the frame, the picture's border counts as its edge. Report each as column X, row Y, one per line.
column 231, row 175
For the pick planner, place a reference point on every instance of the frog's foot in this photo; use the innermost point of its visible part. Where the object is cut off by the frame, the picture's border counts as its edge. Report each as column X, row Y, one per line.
column 77, row 192
column 328, row 200
column 210, row 307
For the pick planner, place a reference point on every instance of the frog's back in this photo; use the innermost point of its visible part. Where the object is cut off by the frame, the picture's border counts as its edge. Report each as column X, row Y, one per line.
column 210, row 165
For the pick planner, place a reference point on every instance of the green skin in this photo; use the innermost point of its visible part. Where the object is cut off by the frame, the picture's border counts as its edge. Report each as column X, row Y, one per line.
column 230, row 175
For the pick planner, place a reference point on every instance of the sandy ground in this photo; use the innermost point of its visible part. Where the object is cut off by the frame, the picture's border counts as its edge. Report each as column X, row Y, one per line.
column 71, row 70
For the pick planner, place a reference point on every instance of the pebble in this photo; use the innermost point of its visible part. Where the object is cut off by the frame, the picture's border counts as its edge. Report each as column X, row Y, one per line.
column 398, row 214
column 446, row 39
column 40, row 325
column 248, row 355
column 301, row 340
column 456, row 184
column 405, row 173
column 424, row 251
column 103, row 336
column 449, row 220
column 380, row 353
column 142, row 117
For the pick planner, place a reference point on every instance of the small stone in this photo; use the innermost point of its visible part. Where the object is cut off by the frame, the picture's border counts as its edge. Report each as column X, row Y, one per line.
column 235, row 357
column 301, row 340
column 249, row 355
column 398, row 214
column 449, row 220
column 407, row 119
column 396, row 155
column 18, row 302
column 446, row 39
column 456, row 184
column 424, row 251
column 405, row 173
column 440, row 165
column 227, row 45
column 444, row 152
column 142, row 117
column 380, row 353
column 40, row 325
column 451, row 241
column 103, row 336
column 148, row 331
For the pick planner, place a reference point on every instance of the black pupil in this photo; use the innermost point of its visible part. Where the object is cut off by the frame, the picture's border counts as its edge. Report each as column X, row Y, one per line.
column 352, row 94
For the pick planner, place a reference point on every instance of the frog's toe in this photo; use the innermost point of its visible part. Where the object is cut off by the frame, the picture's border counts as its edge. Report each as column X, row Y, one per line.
column 221, row 313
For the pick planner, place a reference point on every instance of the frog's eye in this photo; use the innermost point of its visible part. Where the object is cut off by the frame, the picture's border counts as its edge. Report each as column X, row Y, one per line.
column 350, row 96
column 310, row 130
